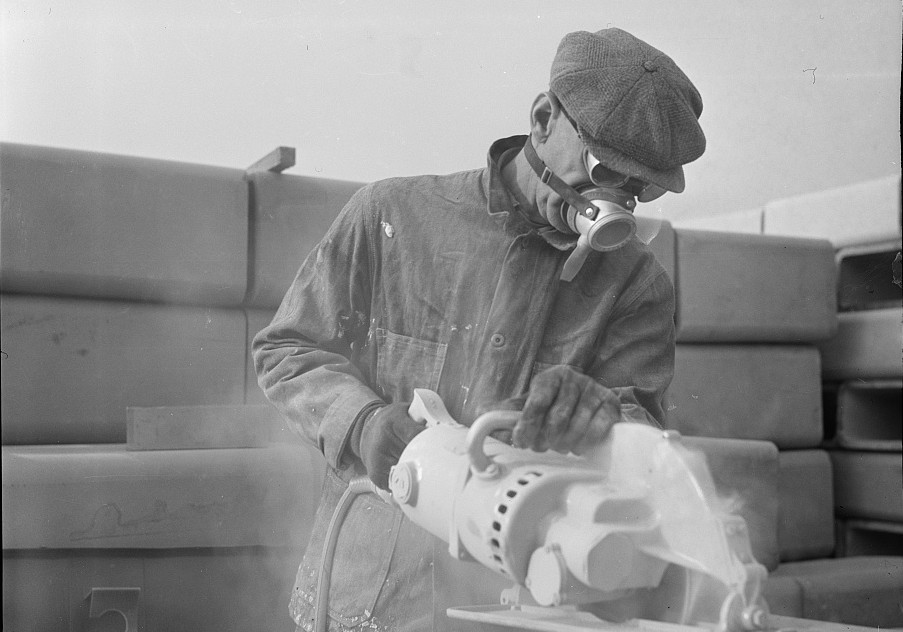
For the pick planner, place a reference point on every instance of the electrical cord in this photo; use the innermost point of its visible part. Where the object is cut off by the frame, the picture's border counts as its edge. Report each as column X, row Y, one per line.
column 357, row 486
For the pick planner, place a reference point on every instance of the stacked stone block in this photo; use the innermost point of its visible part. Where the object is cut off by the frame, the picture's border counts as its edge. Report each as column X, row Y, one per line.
column 127, row 286
column 853, row 471
column 861, row 366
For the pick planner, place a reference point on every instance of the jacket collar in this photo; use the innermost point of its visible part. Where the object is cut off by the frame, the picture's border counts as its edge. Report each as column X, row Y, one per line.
column 502, row 201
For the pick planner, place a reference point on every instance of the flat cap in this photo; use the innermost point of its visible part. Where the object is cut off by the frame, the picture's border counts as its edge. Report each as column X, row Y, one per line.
column 637, row 112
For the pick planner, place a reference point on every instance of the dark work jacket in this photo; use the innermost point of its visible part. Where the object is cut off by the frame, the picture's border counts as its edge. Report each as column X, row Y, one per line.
column 439, row 282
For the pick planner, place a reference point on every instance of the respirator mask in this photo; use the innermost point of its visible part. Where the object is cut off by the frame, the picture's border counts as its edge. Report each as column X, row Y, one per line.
column 601, row 213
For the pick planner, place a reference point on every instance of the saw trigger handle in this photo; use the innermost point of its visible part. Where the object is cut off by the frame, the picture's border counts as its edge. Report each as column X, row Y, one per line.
column 427, row 406
column 487, row 423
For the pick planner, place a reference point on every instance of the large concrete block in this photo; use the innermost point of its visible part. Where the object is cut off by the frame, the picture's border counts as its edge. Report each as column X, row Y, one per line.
column 766, row 392
column 198, row 427
column 281, row 431
column 747, row 221
column 77, row 223
column 71, row 367
column 868, row 414
column 783, row 595
column 806, row 505
column 103, row 496
column 869, row 537
column 867, row 346
column 867, row 276
column 659, row 236
column 746, row 475
column 856, row 214
column 754, row 288
column 35, row 592
column 868, row 485
column 289, row 215
column 203, row 590
column 862, row 591
column 224, row 589
column 257, row 320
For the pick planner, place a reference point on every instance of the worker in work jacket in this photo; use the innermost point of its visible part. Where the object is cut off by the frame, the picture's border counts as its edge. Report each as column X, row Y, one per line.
column 453, row 283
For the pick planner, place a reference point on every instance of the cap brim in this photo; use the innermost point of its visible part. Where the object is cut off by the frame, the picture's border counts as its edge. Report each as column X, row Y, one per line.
column 670, row 179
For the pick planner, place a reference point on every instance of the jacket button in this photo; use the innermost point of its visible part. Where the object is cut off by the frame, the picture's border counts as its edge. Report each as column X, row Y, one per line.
column 497, row 340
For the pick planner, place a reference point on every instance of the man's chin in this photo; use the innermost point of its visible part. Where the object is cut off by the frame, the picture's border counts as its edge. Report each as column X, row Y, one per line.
column 553, row 216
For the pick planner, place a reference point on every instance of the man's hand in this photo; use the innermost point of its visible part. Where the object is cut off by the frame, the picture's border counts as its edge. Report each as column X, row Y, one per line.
column 383, row 438
column 566, row 411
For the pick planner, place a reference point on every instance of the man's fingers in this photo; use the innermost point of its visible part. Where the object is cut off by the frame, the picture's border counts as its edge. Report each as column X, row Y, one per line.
column 605, row 417
column 578, row 434
column 543, row 392
column 561, row 414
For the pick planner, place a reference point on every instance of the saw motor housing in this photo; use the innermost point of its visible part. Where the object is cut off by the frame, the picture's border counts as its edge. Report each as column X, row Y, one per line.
column 576, row 530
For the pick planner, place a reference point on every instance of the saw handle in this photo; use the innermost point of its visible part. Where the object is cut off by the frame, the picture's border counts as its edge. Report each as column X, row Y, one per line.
column 487, row 423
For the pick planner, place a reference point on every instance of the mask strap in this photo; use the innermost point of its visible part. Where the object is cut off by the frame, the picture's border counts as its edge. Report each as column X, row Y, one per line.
column 567, row 192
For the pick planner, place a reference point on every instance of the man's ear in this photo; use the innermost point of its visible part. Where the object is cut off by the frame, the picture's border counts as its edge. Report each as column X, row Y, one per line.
column 543, row 115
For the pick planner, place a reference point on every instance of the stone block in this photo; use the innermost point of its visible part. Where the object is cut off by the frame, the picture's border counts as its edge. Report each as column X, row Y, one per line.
column 860, row 213
column 289, row 216
column 868, row 485
column 863, row 591
column 869, row 276
column 746, row 475
column 198, row 427
column 867, row 345
column 806, row 505
column 241, row 588
column 78, row 223
column 659, row 236
column 71, row 367
column 257, row 320
column 783, row 595
column 105, row 497
column 868, row 414
column 747, row 221
column 765, row 392
column 869, row 537
column 754, row 288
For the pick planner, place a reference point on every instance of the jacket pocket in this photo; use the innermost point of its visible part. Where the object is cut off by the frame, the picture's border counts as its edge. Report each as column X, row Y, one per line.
column 405, row 363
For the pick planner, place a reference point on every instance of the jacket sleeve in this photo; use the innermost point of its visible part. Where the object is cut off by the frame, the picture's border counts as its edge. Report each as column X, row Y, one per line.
column 303, row 357
column 636, row 359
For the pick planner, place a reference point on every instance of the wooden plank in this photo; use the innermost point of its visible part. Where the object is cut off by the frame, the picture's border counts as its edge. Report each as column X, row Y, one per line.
column 276, row 161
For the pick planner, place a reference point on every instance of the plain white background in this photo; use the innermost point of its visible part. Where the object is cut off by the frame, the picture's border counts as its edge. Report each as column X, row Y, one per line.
column 798, row 96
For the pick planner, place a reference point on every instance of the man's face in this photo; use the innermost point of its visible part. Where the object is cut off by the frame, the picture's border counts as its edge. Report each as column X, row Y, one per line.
column 563, row 153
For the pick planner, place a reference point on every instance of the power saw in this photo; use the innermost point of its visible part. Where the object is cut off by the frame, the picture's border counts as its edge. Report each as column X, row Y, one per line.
column 633, row 538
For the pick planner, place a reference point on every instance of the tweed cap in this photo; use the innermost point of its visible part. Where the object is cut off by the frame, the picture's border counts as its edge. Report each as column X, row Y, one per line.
column 635, row 110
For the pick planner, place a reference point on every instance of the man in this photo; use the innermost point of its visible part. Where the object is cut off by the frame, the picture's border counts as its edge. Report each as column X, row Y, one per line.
column 453, row 283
